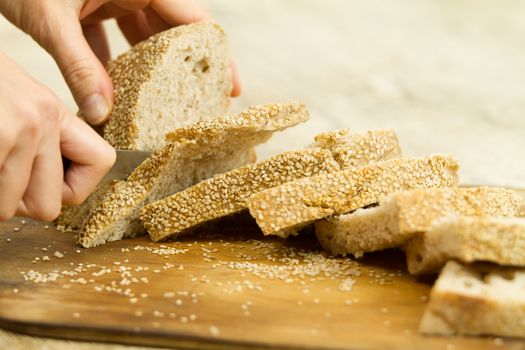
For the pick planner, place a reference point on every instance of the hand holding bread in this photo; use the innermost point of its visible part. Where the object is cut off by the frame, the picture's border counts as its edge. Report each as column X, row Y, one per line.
column 72, row 32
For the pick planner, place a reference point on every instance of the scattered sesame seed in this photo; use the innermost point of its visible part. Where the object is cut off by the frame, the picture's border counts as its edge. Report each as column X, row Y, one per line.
column 214, row 331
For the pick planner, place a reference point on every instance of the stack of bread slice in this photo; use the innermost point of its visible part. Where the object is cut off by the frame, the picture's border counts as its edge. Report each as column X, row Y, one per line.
column 358, row 192
column 226, row 194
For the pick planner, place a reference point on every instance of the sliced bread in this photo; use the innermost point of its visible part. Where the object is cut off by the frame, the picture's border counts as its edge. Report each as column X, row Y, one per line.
column 225, row 194
column 284, row 209
column 402, row 215
column 194, row 154
column 171, row 80
column 476, row 299
column 467, row 239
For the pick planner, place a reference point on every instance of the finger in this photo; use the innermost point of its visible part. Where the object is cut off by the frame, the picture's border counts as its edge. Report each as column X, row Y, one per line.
column 135, row 27
column 6, row 144
column 96, row 37
column 97, row 11
column 237, row 87
column 15, row 174
column 43, row 196
column 85, row 75
column 156, row 23
column 91, row 158
column 176, row 12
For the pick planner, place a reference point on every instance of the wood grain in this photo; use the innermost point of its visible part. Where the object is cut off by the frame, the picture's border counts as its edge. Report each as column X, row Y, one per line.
column 196, row 299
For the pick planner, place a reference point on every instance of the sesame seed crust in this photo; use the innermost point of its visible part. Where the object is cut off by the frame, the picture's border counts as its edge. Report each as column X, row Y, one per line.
column 467, row 239
column 352, row 150
column 225, row 194
column 178, row 165
column 402, row 215
column 131, row 71
column 419, row 208
column 269, row 117
column 283, row 209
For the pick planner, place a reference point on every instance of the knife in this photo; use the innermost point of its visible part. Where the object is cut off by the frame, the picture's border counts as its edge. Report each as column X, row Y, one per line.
column 126, row 162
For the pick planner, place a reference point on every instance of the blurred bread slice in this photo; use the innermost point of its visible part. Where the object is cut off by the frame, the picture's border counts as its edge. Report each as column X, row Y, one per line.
column 467, row 239
column 400, row 216
column 478, row 299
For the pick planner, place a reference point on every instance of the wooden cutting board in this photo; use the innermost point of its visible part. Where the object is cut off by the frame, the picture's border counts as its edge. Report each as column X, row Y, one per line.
column 225, row 288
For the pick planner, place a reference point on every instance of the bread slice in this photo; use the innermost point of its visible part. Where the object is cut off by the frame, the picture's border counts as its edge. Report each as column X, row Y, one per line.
column 171, row 80
column 402, row 215
column 467, row 239
column 476, row 299
column 194, row 154
column 225, row 194
column 284, row 209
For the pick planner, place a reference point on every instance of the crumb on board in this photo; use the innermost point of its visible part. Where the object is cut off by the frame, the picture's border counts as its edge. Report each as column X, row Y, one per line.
column 214, row 331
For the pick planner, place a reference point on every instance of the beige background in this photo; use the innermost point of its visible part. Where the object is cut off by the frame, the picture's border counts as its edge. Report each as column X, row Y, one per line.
column 447, row 75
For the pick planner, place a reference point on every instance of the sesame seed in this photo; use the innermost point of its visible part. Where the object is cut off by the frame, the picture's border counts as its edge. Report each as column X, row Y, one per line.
column 214, row 331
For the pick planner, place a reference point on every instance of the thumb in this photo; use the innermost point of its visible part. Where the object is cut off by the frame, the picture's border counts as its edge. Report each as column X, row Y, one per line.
column 85, row 75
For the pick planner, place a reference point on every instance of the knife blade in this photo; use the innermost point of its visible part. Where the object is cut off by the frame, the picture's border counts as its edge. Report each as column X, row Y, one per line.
column 126, row 162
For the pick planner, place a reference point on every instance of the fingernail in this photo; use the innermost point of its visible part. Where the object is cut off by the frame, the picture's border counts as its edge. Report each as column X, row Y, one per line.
column 95, row 109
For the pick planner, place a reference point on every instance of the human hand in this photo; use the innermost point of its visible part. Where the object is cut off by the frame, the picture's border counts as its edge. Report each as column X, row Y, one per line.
column 35, row 130
column 72, row 32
